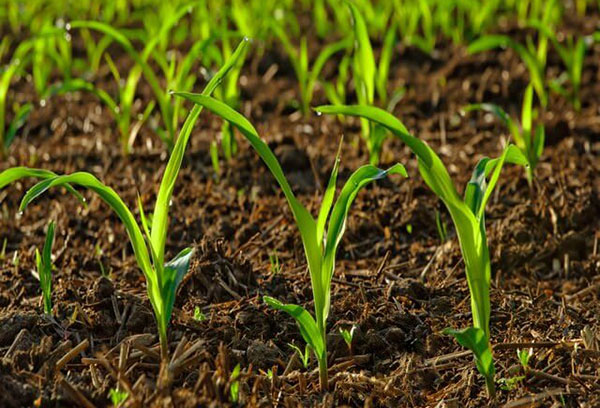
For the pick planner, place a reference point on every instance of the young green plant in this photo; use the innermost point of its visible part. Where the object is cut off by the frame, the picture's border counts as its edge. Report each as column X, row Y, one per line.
column 529, row 142
column 320, row 244
column 468, row 215
column 43, row 262
column 369, row 78
column 148, row 241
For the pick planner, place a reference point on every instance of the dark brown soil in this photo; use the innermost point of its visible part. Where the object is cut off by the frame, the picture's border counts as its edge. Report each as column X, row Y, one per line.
column 400, row 288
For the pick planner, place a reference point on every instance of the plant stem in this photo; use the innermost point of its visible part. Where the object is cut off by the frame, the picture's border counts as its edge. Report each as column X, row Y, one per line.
column 323, row 377
column 491, row 388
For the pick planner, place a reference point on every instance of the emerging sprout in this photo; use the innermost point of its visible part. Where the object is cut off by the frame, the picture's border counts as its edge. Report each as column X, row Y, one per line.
column 44, row 269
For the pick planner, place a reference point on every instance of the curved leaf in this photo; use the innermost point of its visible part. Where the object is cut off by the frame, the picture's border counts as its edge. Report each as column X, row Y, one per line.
column 475, row 340
column 306, row 323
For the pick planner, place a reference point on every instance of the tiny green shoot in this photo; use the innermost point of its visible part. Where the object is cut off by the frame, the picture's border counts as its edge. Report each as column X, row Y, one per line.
column 524, row 356
column 274, row 263
column 199, row 316
column 348, row 336
column 117, row 396
column 44, row 268
column 304, row 356
column 234, row 388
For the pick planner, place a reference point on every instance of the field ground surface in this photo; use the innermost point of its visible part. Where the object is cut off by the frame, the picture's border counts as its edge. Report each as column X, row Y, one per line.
column 395, row 279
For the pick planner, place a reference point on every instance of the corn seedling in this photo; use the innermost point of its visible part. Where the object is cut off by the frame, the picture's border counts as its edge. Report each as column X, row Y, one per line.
column 234, row 387
column 529, row 142
column 198, row 315
column 468, row 215
column 43, row 262
column 304, row 356
column 536, row 72
column 524, row 356
column 307, row 76
column 369, row 78
column 148, row 241
column 348, row 336
column 117, row 396
column 320, row 246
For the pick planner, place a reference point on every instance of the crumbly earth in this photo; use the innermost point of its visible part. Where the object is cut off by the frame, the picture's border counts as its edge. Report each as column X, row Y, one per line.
column 395, row 279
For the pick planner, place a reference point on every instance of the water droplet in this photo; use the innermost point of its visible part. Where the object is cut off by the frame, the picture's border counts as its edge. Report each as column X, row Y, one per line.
column 19, row 214
column 68, row 26
column 246, row 38
column 42, row 103
column 83, row 199
column 171, row 92
column 68, row 37
column 319, row 113
column 117, row 110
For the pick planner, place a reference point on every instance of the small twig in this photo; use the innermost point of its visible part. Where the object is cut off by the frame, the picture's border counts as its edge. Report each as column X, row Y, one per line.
column 71, row 354
column 15, row 342
column 75, row 394
column 531, row 400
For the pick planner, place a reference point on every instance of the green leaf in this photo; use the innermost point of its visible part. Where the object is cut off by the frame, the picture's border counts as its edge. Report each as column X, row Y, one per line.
column 527, row 117
column 364, row 60
column 476, row 187
column 308, row 327
column 18, row 121
column 328, row 197
column 172, row 275
column 13, row 174
column 475, row 340
column 538, row 143
column 44, row 267
column 387, row 50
